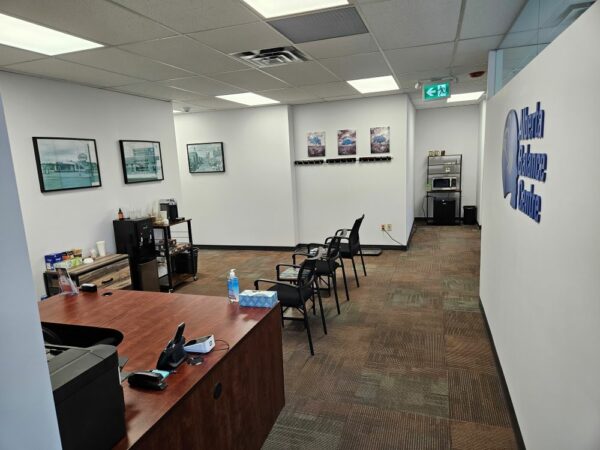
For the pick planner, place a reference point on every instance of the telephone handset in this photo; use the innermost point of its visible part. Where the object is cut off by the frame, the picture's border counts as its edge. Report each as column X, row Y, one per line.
column 173, row 354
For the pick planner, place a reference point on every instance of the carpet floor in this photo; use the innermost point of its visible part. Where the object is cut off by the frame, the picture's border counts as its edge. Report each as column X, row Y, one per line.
column 406, row 365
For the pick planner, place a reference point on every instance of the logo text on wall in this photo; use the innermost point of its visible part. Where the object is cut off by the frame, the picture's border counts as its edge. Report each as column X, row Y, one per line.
column 519, row 163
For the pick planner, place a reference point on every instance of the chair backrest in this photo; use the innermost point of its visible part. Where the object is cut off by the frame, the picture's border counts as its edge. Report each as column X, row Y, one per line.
column 306, row 272
column 333, row 247
column 354, row 238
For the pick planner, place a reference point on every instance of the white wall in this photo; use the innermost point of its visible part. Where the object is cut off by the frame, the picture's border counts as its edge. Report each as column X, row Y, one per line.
column 27, row 414
column 410, row 167
column 540, row 283
column 480, row 159
column 252, row 203
column 63, row 220
column 453, row 129
column 332, row 196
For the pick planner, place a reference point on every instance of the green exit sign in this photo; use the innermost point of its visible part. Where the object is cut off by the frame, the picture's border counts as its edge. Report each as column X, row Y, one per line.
column 436, row 91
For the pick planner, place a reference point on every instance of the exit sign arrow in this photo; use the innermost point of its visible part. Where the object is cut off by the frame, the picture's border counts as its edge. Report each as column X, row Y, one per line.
column 436, row 91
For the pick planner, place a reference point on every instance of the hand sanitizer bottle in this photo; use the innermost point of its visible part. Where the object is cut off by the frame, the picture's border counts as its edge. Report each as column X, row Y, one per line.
column 233, row 287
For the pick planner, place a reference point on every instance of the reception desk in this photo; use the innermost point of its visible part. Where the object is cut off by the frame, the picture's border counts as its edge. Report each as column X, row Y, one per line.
column 231, row 401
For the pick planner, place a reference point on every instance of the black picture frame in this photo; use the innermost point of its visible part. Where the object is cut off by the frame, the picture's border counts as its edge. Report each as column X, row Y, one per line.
column 46, row 169
column 133, row 177
column 197, row 167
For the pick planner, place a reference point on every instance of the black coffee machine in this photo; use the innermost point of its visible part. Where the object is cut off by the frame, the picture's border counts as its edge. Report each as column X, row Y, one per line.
column 170, row 206
column 135, row 237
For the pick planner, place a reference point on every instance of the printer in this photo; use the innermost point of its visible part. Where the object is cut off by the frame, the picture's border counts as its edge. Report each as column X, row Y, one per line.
column 88, row 396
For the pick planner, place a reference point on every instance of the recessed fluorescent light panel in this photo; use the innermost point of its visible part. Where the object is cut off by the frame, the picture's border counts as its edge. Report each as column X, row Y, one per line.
column 377, row 84
column 277, row 8
column 248, row 98
column 468, row 97
column 36, row 38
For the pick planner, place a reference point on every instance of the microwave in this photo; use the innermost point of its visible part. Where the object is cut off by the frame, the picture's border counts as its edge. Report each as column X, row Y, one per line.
column 444, row 183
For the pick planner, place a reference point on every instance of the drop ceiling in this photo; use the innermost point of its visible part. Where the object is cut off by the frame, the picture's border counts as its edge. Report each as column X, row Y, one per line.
column 178, row 50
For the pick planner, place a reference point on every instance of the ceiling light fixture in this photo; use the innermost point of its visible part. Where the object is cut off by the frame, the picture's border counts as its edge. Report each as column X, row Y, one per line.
column 248, row 98
column 376, row 84
column 272, row 8
column 36, row 38
column 467, row 97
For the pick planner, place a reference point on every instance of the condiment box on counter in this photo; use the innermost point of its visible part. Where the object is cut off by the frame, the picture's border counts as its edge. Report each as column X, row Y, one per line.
column 258, row 299
column 52, row 259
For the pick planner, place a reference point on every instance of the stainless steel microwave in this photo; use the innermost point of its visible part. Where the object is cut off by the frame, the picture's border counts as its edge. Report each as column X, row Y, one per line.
column 444, row 183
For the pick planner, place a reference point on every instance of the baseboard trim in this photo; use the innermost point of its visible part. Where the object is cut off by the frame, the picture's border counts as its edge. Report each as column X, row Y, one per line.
column 387, row 247
column 505, row 391
column 267, row 248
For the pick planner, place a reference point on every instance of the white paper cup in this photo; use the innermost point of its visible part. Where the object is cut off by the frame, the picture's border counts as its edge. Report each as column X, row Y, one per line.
column 101, row 248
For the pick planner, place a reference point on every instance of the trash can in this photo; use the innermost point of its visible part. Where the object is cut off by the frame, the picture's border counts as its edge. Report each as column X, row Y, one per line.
column 470, row 215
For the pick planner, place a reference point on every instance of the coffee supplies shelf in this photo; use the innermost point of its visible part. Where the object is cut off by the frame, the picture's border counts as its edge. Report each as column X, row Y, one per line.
column 444, row 189
column 177, row 257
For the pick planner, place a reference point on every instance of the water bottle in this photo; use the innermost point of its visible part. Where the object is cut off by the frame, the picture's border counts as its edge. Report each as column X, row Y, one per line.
column 233, row 287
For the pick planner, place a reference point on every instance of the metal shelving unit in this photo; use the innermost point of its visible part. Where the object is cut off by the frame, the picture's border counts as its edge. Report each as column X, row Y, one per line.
column 173, row 277
column 444, row 166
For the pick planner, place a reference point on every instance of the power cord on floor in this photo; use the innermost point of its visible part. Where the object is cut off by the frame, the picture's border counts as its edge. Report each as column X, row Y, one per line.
column 386, row 232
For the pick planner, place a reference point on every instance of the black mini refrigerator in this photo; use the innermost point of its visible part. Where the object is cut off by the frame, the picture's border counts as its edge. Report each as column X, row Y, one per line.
column 444, row 211
column 135, row 237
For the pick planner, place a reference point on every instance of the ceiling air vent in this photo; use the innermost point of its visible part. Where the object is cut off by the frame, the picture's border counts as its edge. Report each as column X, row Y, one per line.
column 270, row 57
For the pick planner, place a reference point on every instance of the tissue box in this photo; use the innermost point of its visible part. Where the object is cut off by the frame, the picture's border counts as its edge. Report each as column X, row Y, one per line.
column 52, row 259
column 258, row 299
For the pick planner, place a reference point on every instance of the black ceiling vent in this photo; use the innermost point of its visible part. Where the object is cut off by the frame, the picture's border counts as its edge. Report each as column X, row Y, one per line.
column 270, row 57
column 321, row 25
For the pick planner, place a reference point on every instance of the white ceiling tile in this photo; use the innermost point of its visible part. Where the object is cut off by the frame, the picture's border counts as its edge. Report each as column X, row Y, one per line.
column 203, row 86
column 342, row 46
column 407, row 23
column 352, row 67
column 126, row 63
column 336, row 89
column 475, row 51
column 156, row 90
column 416, row 59
column 188, row 107
column 187, row 16
column 489, row 17
column 408, row 80
column 11, row 55
column 290, row 95
column 99, row 21
column 241, row 38
column 216, row 103
column 186, row 53
column 250, row 80
column 520, row 39
column 69, row 71
column 302, row 74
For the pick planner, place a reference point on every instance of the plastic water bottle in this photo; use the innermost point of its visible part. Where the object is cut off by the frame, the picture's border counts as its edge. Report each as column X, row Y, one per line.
column 233, row 287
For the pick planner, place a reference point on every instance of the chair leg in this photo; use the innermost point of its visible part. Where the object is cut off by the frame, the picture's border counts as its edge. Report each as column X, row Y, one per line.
column 322, row 313
column 345, row 281
column 282, row 319
column 355, row 274
column 363, row 261
column 307, row 326
column 334, row 281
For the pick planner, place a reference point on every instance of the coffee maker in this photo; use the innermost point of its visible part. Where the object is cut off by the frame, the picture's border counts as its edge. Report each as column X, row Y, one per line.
column 170, row 206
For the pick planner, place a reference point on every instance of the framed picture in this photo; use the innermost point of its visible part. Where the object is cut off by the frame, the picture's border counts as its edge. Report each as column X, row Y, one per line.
column 142, row 161
column 347, row 142
column 316, row 143
column 206, row 158
column 66, row 163
column 380, row 140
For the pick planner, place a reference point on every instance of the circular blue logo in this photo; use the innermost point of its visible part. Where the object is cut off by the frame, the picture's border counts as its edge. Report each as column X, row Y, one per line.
column 510, row 149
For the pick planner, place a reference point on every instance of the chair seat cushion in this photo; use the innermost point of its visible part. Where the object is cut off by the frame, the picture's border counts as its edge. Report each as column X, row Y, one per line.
column 347, row 251
column 326, row 267
column 288, row 295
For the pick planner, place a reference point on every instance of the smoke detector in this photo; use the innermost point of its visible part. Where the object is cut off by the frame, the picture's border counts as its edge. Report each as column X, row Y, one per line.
column 270, row 57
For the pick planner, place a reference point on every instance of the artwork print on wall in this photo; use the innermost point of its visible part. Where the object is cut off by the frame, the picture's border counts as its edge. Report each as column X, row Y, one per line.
column 142, row 161
column 380, row 140
column 66, row 163
column 347, row 142
column 206, row 158
column 316, row 143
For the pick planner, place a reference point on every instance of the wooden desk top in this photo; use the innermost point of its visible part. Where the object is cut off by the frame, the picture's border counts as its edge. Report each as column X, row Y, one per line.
column 148, row 320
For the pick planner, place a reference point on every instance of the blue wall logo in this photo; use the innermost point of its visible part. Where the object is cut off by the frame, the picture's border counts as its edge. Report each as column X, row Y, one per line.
column 518, row 162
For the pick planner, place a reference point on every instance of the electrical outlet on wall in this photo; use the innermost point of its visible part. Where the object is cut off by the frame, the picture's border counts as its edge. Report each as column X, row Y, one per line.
column 382, row 227
column 386, row 227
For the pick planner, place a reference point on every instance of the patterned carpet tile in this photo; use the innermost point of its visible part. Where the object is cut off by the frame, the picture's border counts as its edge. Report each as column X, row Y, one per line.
column 474, row 353
column 460, row 323
column 474, row 436
column 393, row 348
column 477, row 397
column 462, row 303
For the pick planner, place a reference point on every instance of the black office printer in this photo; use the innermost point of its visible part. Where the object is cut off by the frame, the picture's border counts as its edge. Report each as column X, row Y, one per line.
column 87, row 395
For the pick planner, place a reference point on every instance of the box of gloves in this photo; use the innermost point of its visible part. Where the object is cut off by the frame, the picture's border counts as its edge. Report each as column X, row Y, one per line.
column 258, row 299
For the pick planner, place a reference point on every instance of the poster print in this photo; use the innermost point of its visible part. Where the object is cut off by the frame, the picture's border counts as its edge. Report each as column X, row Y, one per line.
column 347, row 142
column 380, row 140
column 316, row 143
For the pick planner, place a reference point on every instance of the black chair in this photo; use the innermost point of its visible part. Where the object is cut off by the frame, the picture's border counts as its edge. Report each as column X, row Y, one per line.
column 351, row 247
column 296, row 293
column 327, row 264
